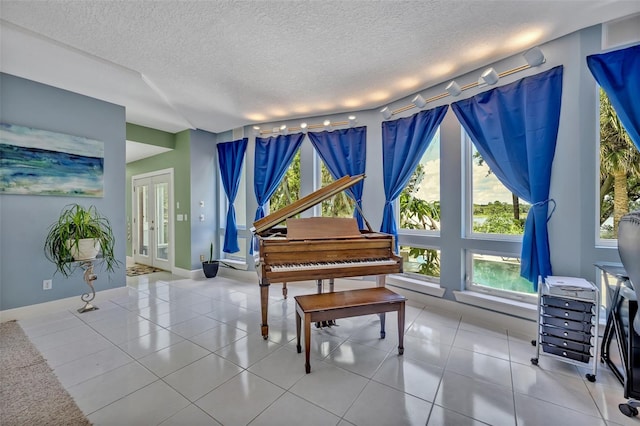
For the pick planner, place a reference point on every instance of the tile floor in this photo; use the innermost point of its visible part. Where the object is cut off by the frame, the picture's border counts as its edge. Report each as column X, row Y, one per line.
column 175, row 351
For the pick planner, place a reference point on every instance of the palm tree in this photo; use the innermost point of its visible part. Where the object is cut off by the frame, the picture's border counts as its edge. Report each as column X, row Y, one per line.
column 619, row 160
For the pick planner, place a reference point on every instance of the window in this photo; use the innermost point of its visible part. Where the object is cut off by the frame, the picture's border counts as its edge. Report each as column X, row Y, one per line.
column 495, row 223
column 619, row 172
column 499, row 274
column 420, row 199
column 340, row 205
column 421, row 262
column 495, row 209
column 289, row 189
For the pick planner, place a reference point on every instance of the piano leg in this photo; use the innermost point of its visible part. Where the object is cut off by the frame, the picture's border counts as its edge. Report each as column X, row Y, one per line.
column 331, row 285
column 401, row 329
column 264, row 304
column 319, row 291
column 284, row 290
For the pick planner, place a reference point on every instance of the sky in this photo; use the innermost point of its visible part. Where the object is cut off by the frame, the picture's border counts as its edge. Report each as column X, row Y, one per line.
column 486, row 189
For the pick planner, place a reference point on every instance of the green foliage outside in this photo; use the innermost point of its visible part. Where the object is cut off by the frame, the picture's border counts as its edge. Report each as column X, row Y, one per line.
column 619, row 170
column 340, row 205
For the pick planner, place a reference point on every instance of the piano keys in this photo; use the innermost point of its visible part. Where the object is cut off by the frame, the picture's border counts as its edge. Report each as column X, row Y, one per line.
column 318, row 248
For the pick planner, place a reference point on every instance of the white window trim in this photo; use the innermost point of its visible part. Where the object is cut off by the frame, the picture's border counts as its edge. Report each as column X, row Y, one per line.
column 494, row 303
column 417, row 285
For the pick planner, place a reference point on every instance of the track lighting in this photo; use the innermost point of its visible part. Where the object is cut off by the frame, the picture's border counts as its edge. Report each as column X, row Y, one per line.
column 419, row 101
column 489, row 76
column 534, row 57
column 453, row 89
column 352, row 120
column 386, row 112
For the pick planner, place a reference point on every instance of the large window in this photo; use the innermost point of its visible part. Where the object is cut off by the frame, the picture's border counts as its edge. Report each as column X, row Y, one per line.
column 619, row 171
column 495, row 209
column 289, row 189
column 340, row 205
column 496, row 220
column 420, row 199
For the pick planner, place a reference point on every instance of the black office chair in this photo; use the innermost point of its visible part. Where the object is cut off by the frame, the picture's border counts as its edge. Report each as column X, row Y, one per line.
column 629, row 249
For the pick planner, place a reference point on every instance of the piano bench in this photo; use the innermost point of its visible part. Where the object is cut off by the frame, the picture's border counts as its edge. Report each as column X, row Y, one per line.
column 344, row 304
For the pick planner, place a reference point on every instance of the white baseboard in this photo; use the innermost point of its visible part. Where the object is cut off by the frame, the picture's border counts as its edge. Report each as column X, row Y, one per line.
column 69, row 303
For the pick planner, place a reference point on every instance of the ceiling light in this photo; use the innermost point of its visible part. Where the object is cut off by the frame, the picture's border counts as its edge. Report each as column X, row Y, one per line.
column 419, row 101
column 352, row 120
column 283, row 129
column 534, row 57
column 489, row 76
column 256, row 130
column 303, row 126
column 386, row 113
column 326, row 123
column 453, row 88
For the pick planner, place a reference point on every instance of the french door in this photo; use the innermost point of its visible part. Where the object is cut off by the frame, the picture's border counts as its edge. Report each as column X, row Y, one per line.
column 152, row 219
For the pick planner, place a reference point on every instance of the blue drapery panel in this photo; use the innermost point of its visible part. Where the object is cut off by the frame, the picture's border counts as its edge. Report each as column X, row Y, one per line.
column 344, row 152
column 618, row 73
column 272, row 159
column 515, row 127
column 404, row 141
column 230, row 157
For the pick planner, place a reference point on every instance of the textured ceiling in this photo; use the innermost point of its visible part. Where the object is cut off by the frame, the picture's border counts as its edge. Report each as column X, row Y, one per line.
column 219, row 65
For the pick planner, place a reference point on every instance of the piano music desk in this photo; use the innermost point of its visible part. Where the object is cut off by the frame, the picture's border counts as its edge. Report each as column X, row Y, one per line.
column 344, row 304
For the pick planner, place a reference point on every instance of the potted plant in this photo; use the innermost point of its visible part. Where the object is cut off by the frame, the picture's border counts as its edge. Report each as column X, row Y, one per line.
column 79, row 234
column 210, row 267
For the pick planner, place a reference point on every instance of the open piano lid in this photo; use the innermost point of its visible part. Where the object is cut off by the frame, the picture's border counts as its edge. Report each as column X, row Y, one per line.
column 305, row 203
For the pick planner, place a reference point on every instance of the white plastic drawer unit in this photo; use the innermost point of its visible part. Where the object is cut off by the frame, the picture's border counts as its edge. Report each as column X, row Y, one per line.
column 567, row 325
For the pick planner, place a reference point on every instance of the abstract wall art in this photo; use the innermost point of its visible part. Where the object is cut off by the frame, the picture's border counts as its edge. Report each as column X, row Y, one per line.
column 39, row 162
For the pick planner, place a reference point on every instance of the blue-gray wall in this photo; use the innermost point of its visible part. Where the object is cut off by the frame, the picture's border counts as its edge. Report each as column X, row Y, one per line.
column 24, row 219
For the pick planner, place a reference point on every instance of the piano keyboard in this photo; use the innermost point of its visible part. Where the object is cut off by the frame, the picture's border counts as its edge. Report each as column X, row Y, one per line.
column 330, row 265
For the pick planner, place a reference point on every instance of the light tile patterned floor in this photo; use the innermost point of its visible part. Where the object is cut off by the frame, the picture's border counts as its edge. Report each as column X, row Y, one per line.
column 176, row 351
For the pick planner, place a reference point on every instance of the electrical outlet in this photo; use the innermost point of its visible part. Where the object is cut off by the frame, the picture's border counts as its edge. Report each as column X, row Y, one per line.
column 202, row 258
column 47, row 284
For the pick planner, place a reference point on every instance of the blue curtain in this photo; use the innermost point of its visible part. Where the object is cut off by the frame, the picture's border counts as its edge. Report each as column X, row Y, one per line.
column 230, row 157
column 404, row 141
column 344, row 152
column 515, row 127
column 272, row 159
column 618, row 73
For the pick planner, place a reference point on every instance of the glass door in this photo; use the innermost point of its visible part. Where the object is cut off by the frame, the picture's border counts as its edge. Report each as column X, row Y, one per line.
column 152, row 221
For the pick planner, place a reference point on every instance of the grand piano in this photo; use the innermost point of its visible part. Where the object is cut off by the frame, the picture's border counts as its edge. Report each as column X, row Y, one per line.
column 318, row 248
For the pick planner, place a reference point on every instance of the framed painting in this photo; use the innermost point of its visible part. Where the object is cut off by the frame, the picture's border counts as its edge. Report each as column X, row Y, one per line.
column 39, row 162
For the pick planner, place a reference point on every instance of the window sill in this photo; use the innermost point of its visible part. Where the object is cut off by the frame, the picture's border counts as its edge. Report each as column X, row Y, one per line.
column 412, row 284
column 235, row 264
column 506, row 306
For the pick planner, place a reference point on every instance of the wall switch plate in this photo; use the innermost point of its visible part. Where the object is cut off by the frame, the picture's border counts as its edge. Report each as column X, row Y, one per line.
column 47, row 284
column 202, row 258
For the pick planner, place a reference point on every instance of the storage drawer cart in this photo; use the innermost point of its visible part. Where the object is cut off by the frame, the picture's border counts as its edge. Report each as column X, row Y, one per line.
column 568, row 318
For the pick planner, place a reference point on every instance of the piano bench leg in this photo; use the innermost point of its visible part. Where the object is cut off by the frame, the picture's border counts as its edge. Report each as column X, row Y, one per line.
column 284, row 290
column 265, row 331
column 382, row 321
column 298, row 327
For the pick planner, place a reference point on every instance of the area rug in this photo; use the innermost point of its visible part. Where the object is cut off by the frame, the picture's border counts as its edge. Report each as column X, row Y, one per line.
column 30, row 393
column 137, row 269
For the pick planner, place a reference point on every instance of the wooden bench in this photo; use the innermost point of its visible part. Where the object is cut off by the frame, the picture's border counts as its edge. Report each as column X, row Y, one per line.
column 343, row 304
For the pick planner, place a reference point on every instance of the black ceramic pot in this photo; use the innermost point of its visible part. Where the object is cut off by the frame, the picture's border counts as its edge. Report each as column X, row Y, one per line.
column 210, row 268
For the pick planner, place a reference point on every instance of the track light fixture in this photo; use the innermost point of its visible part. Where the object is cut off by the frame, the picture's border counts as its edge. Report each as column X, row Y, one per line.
column 453, row 89
column 386, row 112
column 419, row 101
column 352, row 120
column 534, row 57
column 303, row 127
column 489, row 76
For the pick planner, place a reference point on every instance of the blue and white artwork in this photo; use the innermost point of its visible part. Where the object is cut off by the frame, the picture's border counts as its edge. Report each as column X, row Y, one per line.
column 39, row 162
